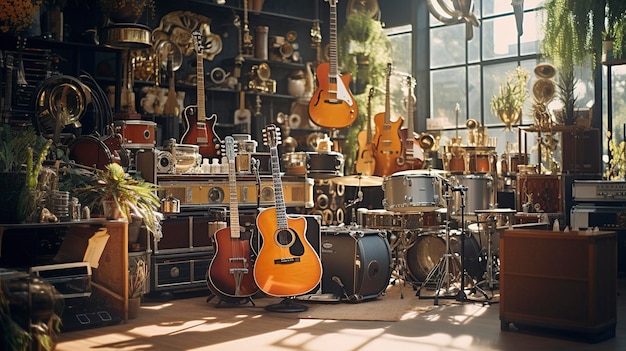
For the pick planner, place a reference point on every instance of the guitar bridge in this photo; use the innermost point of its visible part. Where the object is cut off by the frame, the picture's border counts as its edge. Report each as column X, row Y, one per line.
column 287, row 260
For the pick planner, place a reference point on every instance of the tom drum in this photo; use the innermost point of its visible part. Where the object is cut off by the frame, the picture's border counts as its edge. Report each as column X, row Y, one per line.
column 479, row 195
column 412, row 191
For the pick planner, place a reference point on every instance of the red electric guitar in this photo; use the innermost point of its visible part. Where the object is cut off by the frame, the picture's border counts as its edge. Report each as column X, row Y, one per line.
column 332, row 105
column 287, row 265
column 387, row 142
column 230, row 272
column 199, row 130
column 413, row 154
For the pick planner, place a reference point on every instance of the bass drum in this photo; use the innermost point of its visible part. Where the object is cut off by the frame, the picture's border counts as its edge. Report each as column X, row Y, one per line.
column 90, row 151
column 428, row 249
column 356, row 263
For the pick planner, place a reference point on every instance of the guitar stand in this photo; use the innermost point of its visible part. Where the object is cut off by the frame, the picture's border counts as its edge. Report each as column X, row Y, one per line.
column 230, row 300
column 286, row 305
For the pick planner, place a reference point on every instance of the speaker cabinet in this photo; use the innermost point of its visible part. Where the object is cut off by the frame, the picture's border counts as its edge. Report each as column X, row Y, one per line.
column 328, row 202
column 185, row 233
column 356, row 263
column 180, row 272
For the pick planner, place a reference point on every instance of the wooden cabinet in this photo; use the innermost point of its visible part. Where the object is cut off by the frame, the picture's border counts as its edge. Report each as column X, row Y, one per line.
column 26, row 245
column 559, row 281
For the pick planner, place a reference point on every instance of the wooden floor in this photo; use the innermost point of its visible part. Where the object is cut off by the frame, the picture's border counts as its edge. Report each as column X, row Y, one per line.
column 194, row 324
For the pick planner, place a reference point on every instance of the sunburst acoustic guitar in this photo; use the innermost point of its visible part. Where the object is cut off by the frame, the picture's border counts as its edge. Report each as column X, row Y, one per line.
column 230, row 272
column 287, row 265
column 332, row 105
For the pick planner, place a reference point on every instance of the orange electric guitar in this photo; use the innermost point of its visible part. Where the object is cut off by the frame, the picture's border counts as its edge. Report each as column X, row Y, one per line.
column 413, row 154
column 230, row 272
column 287, row 265
column 196, row 130
column 332, row 105
column 387, row 142
column 365, row 163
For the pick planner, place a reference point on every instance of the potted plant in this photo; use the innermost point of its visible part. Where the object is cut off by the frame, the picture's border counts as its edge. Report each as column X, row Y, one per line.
column 507, row 104
column 119, row 195
column 137, row 279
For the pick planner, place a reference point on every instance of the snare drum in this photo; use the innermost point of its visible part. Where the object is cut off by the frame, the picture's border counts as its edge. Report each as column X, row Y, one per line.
column 428, row 249
column 136, row 134
column 480, row 194
column 415, row 191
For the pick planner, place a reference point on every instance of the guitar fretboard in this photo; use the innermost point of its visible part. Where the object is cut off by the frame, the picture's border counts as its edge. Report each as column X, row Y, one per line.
column 332, row 75
column 200, row 87
column 234, row 205
column 281, row 212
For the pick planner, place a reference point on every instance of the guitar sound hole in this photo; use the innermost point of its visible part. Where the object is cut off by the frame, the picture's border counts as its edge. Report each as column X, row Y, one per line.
column 287, row 238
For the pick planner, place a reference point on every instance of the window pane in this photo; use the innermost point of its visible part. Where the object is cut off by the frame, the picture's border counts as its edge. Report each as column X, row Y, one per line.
column 447, row 46
column 499, row 38
column 474, row 93
column 496, row 7
column 533, row 33
column 446, row 91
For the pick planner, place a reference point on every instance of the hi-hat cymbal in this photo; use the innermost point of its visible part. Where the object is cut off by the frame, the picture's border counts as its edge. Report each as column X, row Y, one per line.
column 356, row 180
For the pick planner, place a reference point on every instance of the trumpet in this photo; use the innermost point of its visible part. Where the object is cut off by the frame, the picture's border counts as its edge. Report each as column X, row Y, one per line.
column 426, row 141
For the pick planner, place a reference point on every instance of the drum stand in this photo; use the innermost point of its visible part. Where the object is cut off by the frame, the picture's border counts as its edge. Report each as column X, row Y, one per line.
column 490, row 280
column 441, row 273
column 400, row 245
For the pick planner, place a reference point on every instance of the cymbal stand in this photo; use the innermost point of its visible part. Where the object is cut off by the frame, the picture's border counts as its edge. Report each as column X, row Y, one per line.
column 402, row 242
column 355, row 202
column 441, row 273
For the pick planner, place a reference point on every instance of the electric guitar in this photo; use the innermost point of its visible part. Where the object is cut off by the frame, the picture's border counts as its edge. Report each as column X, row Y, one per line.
column 413, row 154
column 196, row 130
column 287, row 264
column 365, row 161
column 332, row 105
column 230, row 271
column 387, row 142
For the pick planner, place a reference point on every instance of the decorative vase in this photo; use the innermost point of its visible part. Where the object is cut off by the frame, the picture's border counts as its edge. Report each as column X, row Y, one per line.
column 607, row 50
column 509, row 118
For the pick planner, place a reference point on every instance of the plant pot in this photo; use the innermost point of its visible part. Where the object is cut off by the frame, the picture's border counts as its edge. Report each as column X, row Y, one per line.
column 509, row 119
column 133, row 307
column 607, row 50
column 111, row 210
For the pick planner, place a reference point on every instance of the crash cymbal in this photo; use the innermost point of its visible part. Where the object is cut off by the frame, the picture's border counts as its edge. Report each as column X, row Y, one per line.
column 356, row 180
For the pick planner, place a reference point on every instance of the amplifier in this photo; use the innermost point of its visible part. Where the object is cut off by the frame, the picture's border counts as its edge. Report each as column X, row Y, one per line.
column 180, row 272
column 215, row 192
column 546, row 191
column 599, row 191
column 185, row 233
column 603, row 217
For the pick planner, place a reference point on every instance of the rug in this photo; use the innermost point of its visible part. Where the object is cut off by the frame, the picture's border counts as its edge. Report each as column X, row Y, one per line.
column 398, row 303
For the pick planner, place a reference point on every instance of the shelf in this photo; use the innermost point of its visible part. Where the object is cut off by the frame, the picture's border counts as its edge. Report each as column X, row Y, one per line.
column 614, row 62
column 254, row 13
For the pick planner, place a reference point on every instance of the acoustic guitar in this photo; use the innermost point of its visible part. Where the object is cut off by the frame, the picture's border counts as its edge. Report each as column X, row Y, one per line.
column 287, row 265
column 387, row 142
column 230, row 272
column 199, row 130
column 171, row 103
column 365, row 163
column 412, row 153
column 332, row 105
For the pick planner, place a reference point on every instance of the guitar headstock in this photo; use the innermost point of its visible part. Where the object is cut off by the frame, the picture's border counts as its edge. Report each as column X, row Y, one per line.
column 271, row 136
column 198, row 43
column 389, row 69
column 332, row 3
column 229, row 148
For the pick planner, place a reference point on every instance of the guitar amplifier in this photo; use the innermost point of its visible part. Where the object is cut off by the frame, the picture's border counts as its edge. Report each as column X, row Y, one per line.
column 185, row 233
column 214, row 192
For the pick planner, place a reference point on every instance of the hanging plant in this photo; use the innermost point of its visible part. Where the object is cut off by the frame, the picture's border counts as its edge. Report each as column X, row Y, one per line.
column 17, row 15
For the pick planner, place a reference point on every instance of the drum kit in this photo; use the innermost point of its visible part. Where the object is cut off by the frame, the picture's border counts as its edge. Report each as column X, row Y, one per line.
column 420, row 210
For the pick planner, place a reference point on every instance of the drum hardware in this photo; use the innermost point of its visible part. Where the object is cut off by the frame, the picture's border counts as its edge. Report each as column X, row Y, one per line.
column 492, row 227
column 358, row 180
column 441, row 273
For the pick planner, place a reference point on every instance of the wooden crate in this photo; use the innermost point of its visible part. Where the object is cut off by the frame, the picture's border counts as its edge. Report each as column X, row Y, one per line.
column 546, row 190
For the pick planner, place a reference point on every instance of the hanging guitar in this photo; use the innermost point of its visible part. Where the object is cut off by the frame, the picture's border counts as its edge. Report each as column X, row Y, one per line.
column 171, row 104
column 413, row 154
column 332, row 105
column 365, row 163
column 387, row 142
column 199, row 130
column 287, row 264
column 230, row 272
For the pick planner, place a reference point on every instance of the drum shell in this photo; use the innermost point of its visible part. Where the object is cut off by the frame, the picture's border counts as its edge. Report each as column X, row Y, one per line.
column 136, row 134
column 358, row 259
column 479, row 195
column 91, row 151
column 428, row 249
column 395, row 221
column 412, row 192
column 323, row 165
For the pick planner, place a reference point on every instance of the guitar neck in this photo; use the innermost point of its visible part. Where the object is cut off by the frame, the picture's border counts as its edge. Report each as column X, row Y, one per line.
column 233, row 206
column 387, row 99
column 333, row 45
column 281, row 212
column 200, row 88
column 370, row 135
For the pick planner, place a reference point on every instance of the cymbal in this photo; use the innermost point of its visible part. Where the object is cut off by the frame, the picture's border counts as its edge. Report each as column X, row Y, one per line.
column 356, row 180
